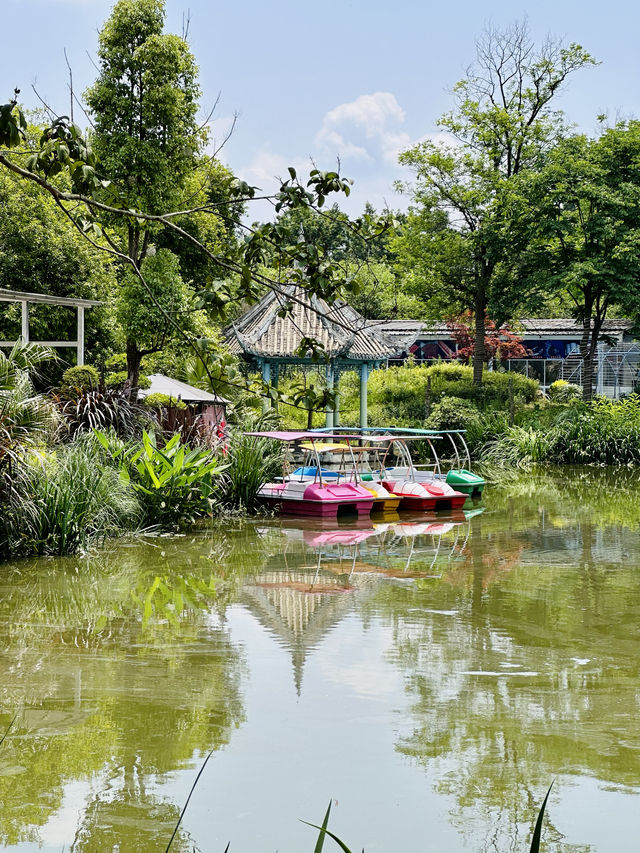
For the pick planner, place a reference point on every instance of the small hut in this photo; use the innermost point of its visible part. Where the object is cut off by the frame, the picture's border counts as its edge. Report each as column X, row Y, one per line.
column 205, row 412
column 271, row 333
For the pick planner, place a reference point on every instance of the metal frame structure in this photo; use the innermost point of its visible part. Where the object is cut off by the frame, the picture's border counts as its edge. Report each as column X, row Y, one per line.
column 25, row 299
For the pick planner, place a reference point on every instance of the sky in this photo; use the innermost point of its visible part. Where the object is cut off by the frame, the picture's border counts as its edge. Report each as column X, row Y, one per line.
column 313, row 81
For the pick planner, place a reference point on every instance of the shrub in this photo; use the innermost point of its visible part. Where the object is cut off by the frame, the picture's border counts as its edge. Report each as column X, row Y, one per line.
column 562, row 391
column 26, row 418
column 397, row 395
column 118, row 378
column 453, row 413
column 81, row 378
column 163, row 401
column 104, row 409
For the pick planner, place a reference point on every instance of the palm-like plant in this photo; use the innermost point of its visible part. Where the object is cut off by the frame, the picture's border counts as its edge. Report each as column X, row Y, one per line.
column 25, row 417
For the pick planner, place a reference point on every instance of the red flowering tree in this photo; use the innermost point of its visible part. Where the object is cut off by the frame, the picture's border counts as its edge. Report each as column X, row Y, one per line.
column 499, row 343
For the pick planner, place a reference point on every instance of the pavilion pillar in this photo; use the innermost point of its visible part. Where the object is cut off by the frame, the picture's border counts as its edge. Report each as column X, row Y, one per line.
column 25, row 322
column 336, row 405
column 330, row 406
column 364, row 376
column 80, row 337
column 275, row 378
column 266, row 378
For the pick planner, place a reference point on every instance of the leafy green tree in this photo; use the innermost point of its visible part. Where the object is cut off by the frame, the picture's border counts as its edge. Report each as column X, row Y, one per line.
column 579, row 222
column 455, row 242
column 147, row 139
column 143, row 106
column 145, row 310
column 145, row 114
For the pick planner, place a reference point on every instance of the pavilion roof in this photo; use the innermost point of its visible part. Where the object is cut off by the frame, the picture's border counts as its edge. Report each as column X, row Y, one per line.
column 342, row 331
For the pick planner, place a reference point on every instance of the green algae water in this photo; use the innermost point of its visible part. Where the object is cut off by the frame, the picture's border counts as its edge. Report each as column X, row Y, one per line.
column 431, row 676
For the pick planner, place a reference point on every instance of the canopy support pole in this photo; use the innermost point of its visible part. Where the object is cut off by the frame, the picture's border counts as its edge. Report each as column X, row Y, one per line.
column 25, row 322
column 80, row 337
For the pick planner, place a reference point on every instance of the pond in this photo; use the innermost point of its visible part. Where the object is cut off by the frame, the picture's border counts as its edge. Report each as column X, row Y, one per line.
column 430, row 677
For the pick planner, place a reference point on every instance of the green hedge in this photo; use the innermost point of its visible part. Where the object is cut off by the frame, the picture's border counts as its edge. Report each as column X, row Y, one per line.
column 397, row 394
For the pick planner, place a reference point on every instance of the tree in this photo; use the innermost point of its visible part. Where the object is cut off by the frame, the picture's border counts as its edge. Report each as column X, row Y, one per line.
column 146, row 137
column 144, row 311
column 499, row 343
column 502, row 125
column 578, row 220
column 114, row 206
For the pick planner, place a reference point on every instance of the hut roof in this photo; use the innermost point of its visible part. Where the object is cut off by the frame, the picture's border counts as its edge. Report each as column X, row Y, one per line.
column 269, row 330
column 161, row 384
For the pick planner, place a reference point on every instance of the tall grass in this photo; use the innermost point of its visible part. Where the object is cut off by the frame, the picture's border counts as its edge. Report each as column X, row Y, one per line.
column 605, row 432
column 59, row 503
column 252, row 462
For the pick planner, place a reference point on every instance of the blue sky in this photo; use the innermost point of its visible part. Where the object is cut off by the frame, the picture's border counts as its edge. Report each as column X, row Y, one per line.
column 317, row 79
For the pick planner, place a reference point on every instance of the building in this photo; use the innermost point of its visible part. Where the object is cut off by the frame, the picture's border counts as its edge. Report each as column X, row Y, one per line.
column 553, row 346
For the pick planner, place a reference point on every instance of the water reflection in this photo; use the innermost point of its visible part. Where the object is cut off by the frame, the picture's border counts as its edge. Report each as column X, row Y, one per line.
column 511, row 637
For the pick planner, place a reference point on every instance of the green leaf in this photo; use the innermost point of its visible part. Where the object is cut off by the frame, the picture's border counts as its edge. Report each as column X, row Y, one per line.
column 535, row 841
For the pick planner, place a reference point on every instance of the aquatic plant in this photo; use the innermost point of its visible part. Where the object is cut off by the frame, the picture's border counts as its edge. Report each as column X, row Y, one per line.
column 175, row 484
column 517, row 446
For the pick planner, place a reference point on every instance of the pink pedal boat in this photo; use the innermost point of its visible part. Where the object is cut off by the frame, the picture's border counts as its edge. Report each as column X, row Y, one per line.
column 317, row 497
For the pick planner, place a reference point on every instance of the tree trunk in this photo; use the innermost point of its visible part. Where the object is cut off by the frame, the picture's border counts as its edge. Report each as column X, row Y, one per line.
column 309, row 419
column 478, row 346
column 134, row 359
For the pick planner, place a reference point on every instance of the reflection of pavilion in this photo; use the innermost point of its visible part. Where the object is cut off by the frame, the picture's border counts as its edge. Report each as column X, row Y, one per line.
column 299, row 604
column 307, row 588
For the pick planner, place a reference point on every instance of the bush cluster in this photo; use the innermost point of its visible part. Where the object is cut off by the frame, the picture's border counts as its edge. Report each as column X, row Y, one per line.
column 397, row 395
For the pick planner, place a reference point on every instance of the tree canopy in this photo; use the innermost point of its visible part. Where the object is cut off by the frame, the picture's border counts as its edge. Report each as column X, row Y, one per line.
column 455, row 241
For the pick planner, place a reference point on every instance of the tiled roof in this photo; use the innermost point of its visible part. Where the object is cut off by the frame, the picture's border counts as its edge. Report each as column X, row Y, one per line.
column 161, row 384
column 341, row 330
column 395, row 329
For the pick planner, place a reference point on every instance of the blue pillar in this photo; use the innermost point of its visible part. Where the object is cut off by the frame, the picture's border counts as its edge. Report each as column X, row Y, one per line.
column 266, row 378
column 336, row 405
column 329, row 417
column 364, row 376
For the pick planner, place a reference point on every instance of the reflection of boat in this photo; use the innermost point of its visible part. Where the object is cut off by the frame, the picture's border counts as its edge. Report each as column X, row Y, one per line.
column 338, row 537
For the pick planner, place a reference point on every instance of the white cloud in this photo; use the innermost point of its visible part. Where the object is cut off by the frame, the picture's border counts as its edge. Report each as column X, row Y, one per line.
column 366, row 129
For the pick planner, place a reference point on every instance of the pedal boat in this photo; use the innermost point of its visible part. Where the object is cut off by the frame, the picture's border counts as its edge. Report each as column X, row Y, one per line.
column 459, row 475
column 315, row 497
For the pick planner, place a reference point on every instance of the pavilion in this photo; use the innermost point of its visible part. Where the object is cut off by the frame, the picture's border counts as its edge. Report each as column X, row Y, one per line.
column 271, row 333
column 25, row 299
